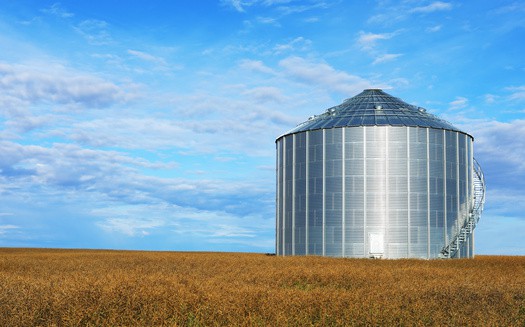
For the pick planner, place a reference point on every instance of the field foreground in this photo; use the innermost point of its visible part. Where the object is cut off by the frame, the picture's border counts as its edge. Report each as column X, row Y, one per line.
column 42, row 287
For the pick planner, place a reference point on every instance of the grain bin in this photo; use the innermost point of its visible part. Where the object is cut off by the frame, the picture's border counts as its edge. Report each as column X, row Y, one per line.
column 377, row 177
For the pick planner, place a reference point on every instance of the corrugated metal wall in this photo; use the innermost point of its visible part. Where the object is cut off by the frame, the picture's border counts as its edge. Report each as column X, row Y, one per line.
column 389, row 191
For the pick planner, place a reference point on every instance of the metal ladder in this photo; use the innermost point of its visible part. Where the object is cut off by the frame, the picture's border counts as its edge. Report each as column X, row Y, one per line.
column 474, row 214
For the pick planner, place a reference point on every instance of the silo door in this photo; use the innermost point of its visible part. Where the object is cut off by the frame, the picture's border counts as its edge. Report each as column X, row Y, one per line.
column 376, row 244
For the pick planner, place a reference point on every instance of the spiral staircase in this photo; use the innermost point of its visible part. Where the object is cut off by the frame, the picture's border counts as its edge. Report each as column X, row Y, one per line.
column 457, row 241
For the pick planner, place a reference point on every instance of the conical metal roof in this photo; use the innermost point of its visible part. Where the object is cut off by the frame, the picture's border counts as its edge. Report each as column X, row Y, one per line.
column 373, row 107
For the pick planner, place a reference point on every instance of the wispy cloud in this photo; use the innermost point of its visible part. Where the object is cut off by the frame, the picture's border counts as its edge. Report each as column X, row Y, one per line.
column 114, row 176
column 183, row 223
column 102, row 132
column 57, row 84
column 506, row 201
column 490, row 98
column 57, row 10
column 237, row 4
column 62, row 164
column 224, row 230
column 368, row 41
column 513, row 7
column 502, row 144
column 275, row 2
column 403, row 10
column 500, row 149
column 320, row 73
column 434, row 29
column 312, row 20
column 265, row 94
column 130, row 226
column 207, row 135
column 268, row 21
column 156, row 63
column 297, row 44
column 95, row 31
column 458, row 103
column 386, row 58
column 294, row 9
column 517, row 92
column 4, row 229
column 255, row 65
column 284, row 7
column 147, row 57
column 434, row 6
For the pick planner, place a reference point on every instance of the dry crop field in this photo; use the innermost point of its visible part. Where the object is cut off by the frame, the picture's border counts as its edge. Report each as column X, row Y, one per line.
column 44, row 287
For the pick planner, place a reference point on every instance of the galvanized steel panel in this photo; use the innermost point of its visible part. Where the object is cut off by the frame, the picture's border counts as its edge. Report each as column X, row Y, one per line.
column 411, row 185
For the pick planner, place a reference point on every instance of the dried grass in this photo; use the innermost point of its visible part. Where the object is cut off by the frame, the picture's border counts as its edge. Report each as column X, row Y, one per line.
column 42, row 287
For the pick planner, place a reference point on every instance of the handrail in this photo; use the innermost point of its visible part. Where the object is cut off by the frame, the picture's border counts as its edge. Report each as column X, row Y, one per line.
column 474, row 215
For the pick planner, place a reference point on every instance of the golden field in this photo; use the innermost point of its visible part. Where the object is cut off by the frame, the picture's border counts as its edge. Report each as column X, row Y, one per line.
column 44, row 287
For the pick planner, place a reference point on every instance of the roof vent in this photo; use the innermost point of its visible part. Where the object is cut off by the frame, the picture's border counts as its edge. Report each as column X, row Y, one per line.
column 378, row 107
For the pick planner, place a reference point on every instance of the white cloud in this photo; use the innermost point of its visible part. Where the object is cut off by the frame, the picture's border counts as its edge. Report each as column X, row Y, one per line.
column 208, row 135
column 239, row 5
column 518, row 92
column 499, row 147
column 275, row 2
column 490, row 98
column 294, row 9
column 265, row 94
column 69, row 166
column 368, row 41
column 57, row 84
column 403, row 10
column 311, row 20
column 434, row 29
column 386, row 57
column 268, row 20
column 399, row 82
column 110, row 174
column 510, row 8
column 458, row 103
column 184, row 223
column 4, row 229
column 297, row 44
column 57, row 10
column 502, row 143
column 434, row 6
column 147, row 57
column 158, row 64
column 255, row 65
column 505, row 200
column 194, row 154
column 322, row 74
column 130, row 226
column 21, row 120
column 285, row 7
column 223, row 230
column 94, row 31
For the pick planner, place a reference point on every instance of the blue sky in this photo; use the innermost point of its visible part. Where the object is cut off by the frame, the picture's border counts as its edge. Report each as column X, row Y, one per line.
column 151, row 124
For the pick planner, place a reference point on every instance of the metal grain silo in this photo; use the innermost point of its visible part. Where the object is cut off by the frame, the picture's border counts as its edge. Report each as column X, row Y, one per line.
column 377, row 177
